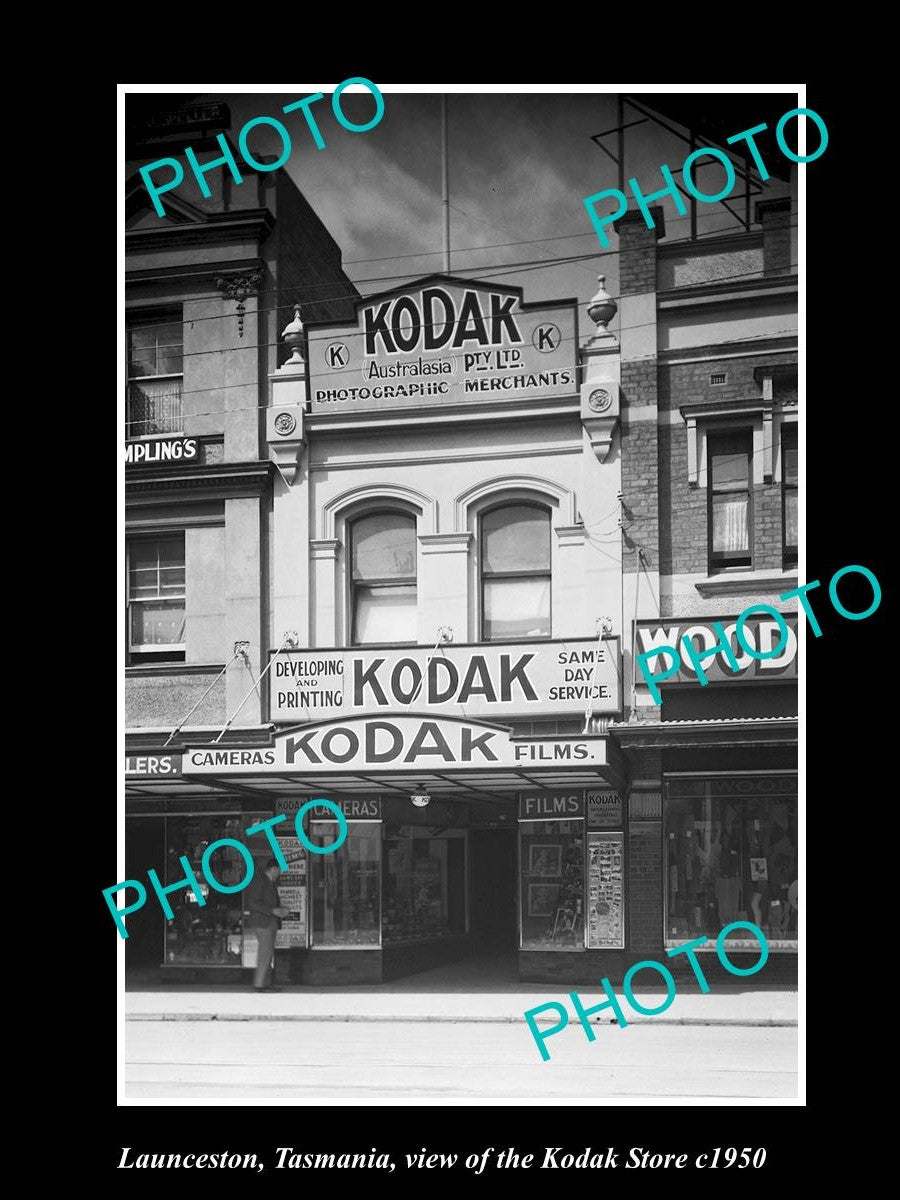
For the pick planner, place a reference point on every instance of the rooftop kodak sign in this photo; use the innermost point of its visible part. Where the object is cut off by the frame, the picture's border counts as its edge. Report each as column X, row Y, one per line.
column 443, row 340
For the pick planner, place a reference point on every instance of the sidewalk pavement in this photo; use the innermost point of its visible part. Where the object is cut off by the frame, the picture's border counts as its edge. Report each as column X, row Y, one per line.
column 500, row 1003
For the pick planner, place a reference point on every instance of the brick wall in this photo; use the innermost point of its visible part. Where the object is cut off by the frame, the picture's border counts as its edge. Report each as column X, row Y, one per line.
column 637, row 252
column 640, row 460
column 775, row 216
column 687, row 383
column 644, row 893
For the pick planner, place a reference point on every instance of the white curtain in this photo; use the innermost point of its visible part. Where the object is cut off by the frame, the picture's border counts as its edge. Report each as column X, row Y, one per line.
column 516, row 608
column 730, row 531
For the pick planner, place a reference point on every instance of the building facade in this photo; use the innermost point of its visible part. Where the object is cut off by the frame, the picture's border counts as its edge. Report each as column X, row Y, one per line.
column 473, row 519
column 710, row 466
column 208, row 287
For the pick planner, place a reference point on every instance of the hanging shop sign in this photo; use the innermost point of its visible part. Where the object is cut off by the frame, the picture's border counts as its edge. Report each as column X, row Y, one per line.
column 157, row 450
column 443, row 341
column 397, row 744
column 368, row 809
column 604, row 809
column 761, row 633
column 563, row 805
column 152, row 765
column 491, row 681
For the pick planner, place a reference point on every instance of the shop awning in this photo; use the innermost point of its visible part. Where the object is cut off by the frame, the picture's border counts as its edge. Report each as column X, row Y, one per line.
column 714, row 731
column 447, row 756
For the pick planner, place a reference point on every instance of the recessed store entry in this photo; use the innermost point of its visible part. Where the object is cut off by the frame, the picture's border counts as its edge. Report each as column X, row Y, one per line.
column 492, row 889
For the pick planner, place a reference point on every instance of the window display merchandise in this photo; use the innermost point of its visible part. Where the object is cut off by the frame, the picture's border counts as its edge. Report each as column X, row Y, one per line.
column 211, row 935
column 552, row 891
column 345, row 887
column 731, row 855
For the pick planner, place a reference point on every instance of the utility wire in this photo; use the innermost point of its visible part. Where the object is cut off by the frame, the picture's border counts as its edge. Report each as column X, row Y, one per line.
column 259, row 407
column 341, row 335
column 506, row 268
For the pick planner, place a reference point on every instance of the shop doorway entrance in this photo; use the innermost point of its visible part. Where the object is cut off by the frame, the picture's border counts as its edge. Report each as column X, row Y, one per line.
column 145, row 847
column 492, row 890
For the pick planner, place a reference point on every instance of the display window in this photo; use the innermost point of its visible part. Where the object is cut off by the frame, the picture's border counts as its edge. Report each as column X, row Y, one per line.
column 211, row 934
column 731, row 855
column 551, row 870
column 346, row 887
column 424, row 883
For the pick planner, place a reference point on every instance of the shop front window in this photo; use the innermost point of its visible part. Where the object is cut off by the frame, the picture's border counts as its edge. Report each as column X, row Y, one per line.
column 731, row 855
column 424, row 884
column 210, row 934
column 552, row 875
column 346, row 886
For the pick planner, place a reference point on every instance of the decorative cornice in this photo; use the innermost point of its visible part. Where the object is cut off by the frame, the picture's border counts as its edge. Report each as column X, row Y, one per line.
column 326, row 548
column 571, row 535
column 250, row 224
column 239, row 286
column 714, row 408
column 446, row 543
column 716, row 292
column 217, row 480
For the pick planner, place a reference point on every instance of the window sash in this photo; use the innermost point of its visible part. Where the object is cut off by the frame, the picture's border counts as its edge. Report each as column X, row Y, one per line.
column 375, row 545
column 171, row 606
column 733, row 491
column 156, row 588
column 154, row 406
column 155, row 341
column 492, row 579
column 529, row 515
column 789, row 494
column 541, row 616
column 790, row 519
column 374, row 618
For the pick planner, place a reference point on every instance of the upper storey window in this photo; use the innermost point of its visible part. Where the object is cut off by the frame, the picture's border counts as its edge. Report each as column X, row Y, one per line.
column 515, row 573
column 153, row 405
column 383, row 554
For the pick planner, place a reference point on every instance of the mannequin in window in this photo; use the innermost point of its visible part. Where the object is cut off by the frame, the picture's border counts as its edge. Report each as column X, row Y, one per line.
column 728, row 884
column 759, row 874
column 783, row 860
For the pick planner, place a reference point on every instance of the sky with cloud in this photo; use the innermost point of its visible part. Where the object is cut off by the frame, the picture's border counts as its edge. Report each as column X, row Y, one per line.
column 520, row 165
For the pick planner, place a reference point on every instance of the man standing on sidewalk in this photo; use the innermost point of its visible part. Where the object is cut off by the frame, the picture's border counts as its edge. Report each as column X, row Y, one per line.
column 261, row 915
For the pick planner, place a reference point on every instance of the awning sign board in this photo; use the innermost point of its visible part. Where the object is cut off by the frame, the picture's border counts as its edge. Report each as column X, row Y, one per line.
column 397, row 743
column 521, row 679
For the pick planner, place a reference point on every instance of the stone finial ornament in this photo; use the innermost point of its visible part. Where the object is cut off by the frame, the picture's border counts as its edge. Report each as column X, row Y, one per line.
column 602, row 308
column 293, row 335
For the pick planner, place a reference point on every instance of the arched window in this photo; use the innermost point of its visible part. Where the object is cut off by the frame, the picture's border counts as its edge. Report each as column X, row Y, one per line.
column 383, row 578
column 515, row 573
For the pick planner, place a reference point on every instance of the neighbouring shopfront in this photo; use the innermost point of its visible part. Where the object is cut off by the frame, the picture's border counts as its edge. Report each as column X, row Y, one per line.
column 731, row 855
column 713, row 809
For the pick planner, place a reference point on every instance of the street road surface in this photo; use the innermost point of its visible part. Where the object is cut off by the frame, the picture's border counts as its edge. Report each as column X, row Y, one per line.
column 392, row 1060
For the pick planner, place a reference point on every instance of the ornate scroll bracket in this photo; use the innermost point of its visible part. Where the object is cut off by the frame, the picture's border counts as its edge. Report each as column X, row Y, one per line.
column 239, row 287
